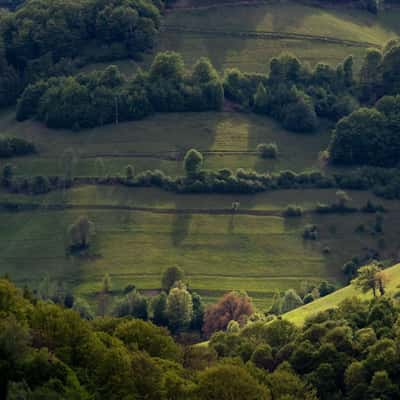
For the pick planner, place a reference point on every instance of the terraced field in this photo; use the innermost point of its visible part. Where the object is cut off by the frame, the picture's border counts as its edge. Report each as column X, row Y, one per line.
column 142, row 231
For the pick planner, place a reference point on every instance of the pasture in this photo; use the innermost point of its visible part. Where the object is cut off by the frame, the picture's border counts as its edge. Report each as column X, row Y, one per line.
column 227, row 139
column 219, row 251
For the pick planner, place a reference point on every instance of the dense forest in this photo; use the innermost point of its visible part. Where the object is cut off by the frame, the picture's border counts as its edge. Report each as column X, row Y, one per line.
column 49, row 352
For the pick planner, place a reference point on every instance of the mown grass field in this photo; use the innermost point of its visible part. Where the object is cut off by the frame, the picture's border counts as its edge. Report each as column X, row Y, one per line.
column 218, row 252
column 252, row 54
column 299, row 315
column 228, row 140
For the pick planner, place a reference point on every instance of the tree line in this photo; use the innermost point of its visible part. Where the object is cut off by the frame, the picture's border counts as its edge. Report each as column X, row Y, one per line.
column 291, row 93
column 97, row 98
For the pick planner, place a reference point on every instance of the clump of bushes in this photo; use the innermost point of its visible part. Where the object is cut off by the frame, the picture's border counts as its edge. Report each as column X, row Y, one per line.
column 372, row 208
column 293, row 211
column 268, row 150
column 12, row 146
column 310, row 232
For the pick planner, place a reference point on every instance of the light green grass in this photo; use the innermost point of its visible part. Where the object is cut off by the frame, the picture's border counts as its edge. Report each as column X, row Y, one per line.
column 299, row 315
column 219, row 253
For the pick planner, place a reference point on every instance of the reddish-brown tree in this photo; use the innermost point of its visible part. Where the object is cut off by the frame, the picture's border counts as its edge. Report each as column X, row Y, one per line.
column 232, row 306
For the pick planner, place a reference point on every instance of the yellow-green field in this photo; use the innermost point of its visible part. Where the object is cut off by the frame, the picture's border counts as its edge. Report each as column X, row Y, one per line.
column 299, row 315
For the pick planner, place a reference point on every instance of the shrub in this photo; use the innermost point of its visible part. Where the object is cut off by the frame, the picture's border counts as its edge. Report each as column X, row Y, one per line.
column 293, row 211
column 310, row 232
column 268, row 150
column 12, row 146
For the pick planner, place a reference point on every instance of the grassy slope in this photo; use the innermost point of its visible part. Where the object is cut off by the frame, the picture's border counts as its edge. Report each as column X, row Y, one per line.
column 163, row 137
column 219, row 252
column 299, row 315
column 253, row 54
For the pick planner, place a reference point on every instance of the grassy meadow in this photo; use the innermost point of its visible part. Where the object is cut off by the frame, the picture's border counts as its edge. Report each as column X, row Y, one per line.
column 257, row 253
column 228, row 140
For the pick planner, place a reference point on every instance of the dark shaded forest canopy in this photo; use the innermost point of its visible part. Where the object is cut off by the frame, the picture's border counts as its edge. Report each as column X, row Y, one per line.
column 45, row 37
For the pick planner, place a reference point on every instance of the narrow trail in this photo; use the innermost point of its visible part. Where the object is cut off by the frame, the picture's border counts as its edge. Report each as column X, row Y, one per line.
column 18, row 207
column 153, row 210
column 171, row 155
column 268, row 35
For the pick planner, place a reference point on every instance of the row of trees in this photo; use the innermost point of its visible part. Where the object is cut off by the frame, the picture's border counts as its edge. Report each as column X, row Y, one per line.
column 97, row 98
column 296, row 95
column 291, row 93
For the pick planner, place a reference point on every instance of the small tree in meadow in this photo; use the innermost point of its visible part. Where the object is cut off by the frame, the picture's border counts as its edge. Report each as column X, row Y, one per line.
column 371, row 277
column 80, row 233
column 193, row 162
column 129, row 172
column 170, row 276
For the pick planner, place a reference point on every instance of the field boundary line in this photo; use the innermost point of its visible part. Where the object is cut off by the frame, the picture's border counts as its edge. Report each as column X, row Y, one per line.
column 268, row 35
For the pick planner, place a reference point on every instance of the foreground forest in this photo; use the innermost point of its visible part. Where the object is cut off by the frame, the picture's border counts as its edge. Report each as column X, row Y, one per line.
column 50, row 352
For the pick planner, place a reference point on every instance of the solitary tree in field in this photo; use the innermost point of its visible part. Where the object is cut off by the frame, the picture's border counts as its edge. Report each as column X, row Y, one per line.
column 290, row 301
column 371, row 277
column 193, row 162
column 129, row 172
column 170, row 276
column 80, row 233
column 342, row 198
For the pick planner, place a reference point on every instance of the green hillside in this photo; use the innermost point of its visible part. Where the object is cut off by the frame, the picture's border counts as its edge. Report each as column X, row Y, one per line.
column 140, row 232
column 299, row 315
column 313, row 34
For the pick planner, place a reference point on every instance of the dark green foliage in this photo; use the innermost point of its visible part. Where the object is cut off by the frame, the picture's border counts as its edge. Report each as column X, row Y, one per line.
column 300, row 116
column 293, row 211
column 134, row 305
column 170, row 276
column 49, row 352
column 268, row 150
column 97, row 98
column 11, row 147
column 368, row 136
column 51, row 38
column 310, row 232
column 193, row 163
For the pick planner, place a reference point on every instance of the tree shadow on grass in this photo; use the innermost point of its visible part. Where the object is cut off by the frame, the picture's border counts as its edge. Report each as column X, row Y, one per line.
column 180, row 228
